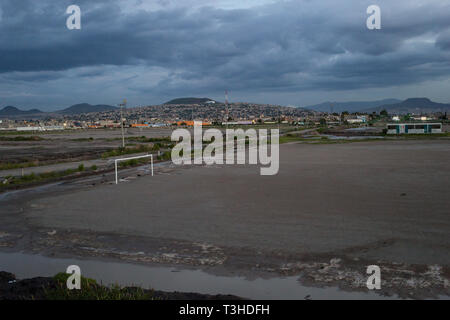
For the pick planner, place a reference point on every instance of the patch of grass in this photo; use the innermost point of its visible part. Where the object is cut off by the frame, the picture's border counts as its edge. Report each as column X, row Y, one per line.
column 292, row 138
column 91, row 290
column 128, row 163
column 39, row 177
column 133, row 162
column 21, row 138
column 122, row 151
column 14, row 132
column 322, row 129
column 145, row 139
column 10, row 165
column 131, row 149
column 165, row 156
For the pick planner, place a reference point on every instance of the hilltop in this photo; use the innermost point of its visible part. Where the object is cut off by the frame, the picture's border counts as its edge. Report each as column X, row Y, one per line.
column 413, row 105
column 13, row 111
column 86, row 108
column 350, row 106
column 189, row 101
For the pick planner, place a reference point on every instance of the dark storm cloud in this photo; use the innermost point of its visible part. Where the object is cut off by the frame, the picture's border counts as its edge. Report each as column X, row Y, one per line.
column 286, row 46
column 443, row 41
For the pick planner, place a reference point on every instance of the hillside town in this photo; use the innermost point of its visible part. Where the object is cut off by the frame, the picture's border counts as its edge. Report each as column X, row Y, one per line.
column 211, row 113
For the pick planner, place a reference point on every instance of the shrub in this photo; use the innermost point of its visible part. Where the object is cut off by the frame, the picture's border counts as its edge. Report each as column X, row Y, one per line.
column 91, row 290
column 165, row 156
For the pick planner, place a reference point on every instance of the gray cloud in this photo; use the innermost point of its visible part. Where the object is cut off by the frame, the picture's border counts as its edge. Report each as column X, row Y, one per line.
column 282, row 47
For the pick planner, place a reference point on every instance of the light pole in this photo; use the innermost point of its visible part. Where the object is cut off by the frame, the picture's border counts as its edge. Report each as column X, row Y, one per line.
column 226, row 106
column 123, row 104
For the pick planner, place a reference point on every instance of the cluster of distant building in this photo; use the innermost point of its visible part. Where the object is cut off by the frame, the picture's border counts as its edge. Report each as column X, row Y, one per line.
column 214, row 113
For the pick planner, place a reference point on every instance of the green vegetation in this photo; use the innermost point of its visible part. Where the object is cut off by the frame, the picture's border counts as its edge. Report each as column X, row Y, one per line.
column 14, row 132
column 21, row 138
column 158, row 144
column 133, row 162
column 165, row 156
column 91, row 290
column 292, row 138
column 322, row 129
column 143, row 139
column 39, row 177
column 10, row 165
column 384, row 113
column 129, row 163
column 127, row 150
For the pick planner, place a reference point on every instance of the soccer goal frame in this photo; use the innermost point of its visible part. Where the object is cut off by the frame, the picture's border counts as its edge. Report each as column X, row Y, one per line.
column 116, row 162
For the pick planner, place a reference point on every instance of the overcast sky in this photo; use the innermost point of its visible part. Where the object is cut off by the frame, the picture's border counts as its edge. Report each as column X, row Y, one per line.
column 296, row 52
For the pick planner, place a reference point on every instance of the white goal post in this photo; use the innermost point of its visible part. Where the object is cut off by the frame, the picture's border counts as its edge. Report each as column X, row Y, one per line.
column 116, row 162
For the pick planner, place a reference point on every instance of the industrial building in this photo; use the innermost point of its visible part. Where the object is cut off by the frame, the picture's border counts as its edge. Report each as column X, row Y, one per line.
column 413, row 128
column 41, row 128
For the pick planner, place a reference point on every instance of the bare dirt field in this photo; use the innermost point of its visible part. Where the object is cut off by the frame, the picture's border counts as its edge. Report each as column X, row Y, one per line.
column 101, row 133
column 72, row 145
column 58, row 151
column 331, row 211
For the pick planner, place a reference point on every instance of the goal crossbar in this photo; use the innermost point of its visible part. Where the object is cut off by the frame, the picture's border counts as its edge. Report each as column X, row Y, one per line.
column 116, row 162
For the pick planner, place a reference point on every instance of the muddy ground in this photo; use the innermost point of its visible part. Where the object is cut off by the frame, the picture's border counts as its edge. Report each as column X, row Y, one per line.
column 75, row 145
column 330, row 212
column 54, row 152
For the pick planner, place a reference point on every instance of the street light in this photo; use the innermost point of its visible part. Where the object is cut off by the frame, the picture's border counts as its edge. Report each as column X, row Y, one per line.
column 123, row 104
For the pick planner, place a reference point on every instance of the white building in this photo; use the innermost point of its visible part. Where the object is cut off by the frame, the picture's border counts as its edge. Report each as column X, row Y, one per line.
column 42, row 128
column 358, row 119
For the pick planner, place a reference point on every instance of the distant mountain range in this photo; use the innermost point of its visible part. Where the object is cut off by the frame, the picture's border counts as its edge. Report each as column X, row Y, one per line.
column 393, row 106
column 413, row 105
column 352, row 106
column 13, row 111
column 189, row 101
column 75, row 109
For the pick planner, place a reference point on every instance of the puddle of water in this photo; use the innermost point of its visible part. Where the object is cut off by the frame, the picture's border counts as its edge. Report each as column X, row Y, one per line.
column 172, row 279
column 363, row 129
column 332, row 137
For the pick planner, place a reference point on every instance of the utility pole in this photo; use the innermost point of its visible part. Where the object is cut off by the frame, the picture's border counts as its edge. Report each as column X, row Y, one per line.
column 226, row 106
column 123, row 104
column 279, row 118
